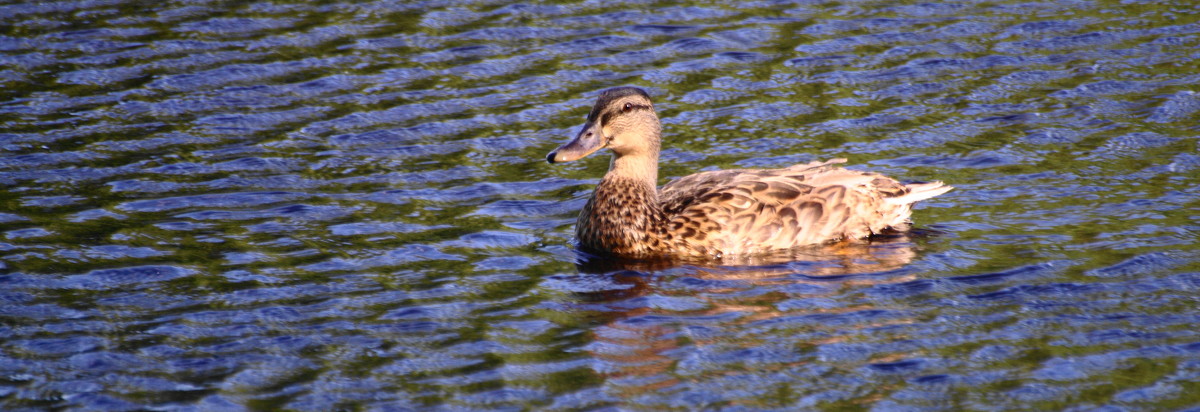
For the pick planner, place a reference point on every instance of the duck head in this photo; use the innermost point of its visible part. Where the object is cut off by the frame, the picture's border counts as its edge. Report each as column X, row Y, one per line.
column 622, row 120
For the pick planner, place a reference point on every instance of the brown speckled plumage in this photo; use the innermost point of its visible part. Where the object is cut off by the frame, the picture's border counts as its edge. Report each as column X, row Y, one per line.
column 720, row 213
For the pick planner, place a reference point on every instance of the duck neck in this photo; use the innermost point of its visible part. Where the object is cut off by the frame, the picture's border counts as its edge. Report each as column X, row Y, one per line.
column 642, row 170
column 623, row 215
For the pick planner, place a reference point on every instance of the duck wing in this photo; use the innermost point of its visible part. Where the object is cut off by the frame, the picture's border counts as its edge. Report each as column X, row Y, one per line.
column 751, row 211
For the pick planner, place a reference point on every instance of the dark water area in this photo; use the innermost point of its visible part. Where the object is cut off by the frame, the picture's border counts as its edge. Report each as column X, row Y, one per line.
column 345, row 206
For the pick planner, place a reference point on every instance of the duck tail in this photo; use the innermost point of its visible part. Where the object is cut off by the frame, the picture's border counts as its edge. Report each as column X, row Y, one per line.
column 918, row 192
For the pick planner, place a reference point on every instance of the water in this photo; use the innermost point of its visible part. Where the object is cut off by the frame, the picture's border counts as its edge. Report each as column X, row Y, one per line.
column 264, row 205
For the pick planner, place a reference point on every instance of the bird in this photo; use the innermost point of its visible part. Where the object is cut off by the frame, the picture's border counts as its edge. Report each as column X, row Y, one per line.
column 721, row 213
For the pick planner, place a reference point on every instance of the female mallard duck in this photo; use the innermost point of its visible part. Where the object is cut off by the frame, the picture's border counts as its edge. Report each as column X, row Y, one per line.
column 725, row 212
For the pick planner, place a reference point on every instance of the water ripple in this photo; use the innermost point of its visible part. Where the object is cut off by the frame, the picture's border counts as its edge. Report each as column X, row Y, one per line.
column 266, row 205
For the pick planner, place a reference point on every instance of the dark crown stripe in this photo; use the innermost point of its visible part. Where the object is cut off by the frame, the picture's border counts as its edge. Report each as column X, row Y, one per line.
column 607, row 97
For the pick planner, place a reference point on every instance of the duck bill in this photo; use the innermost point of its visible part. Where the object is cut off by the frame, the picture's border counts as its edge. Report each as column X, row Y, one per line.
column 589, row 140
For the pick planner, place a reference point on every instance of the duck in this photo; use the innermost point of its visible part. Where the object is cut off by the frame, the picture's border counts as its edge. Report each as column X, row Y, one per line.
column 721, row 213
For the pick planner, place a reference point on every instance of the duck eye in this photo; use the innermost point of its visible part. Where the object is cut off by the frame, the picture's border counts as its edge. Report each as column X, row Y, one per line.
column 628, row 106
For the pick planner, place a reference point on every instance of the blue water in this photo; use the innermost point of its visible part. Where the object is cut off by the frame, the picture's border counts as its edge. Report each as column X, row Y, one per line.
column 345, row 206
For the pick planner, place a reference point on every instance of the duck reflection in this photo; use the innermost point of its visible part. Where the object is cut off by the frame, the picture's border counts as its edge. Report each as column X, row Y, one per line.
column 654, row 307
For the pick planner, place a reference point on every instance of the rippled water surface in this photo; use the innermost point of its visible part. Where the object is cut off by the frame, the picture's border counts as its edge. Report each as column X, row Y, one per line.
column 319, row 206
